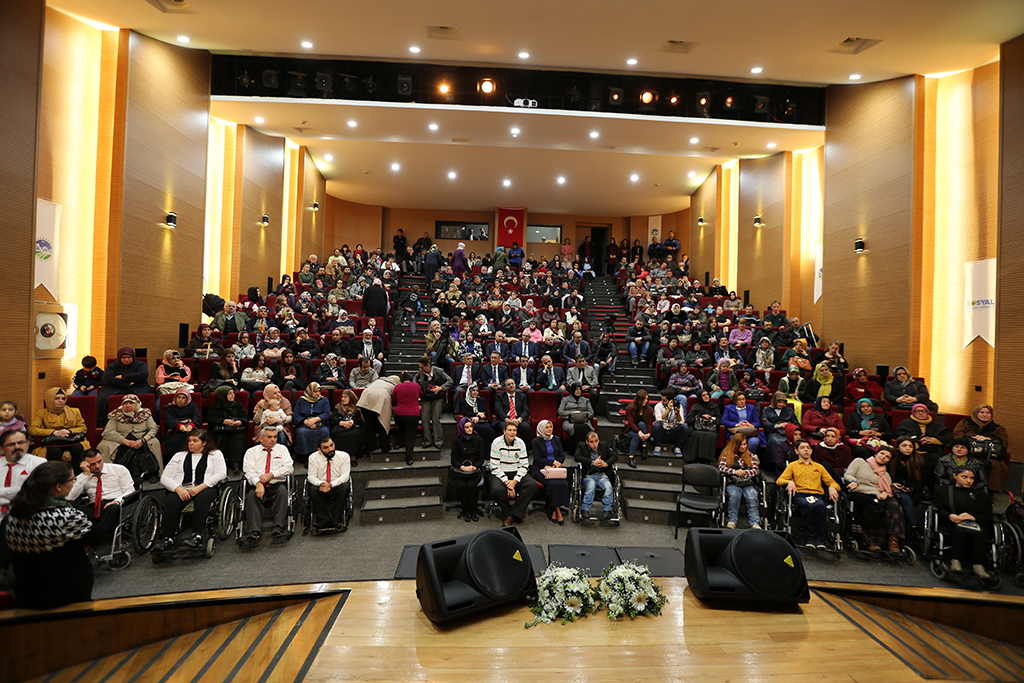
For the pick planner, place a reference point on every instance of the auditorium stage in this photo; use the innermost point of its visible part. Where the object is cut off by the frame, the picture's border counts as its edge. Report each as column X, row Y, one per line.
column 375, row 631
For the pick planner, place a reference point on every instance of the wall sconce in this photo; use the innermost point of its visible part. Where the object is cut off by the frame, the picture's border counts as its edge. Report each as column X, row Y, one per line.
column 172, row 220
column 700, row 221
column 858, row 245
column 266, row 220
column 757, row 222
column 316, row 206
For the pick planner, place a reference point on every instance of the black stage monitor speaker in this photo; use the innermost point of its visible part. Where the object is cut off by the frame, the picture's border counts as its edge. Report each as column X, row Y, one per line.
column 468, row 574
column 743, row 564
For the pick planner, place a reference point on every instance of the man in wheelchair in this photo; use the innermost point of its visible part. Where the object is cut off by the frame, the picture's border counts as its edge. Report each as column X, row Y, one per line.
column 595, row 463
column 266, row 467
column 329, row 485
column 803, row 478
column 106, row 485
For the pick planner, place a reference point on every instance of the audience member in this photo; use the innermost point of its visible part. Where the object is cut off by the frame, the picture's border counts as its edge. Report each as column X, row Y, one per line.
column 191, row 476
column 330, row 487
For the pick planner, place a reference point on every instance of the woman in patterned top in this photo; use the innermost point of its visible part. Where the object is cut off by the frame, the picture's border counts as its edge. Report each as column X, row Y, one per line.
column 47, row 539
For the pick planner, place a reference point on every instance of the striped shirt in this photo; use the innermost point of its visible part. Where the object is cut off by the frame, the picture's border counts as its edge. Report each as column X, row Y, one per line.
column 508, row 462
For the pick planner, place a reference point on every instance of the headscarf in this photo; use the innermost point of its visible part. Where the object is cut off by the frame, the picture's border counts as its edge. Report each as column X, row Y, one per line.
column 884, row 485
column 857, row 371
column 271, row 391
column 49, row 400
column 185, row 392
column 896, row 378
column 541, row 426
column 991, row 419
column 139, row 416
column 308, row 395
column 126, row 351
column 220, row 394
column 791, row 432
column 818, row 407
column 865, row 420
column 765, row 358
column 824, row 384
column 254, row 297
column 920, row 422
column 778, row 395
column 461, row 428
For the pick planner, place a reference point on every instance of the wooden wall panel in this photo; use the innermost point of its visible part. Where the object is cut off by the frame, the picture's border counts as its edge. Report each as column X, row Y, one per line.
column 702, row 240
column 165, row 146
column 314, row 189
column 414, row 222
column 21, row 49
column 679, row 223
column 262, row 194
column 869, row 172
column 1009, row 394
column 350, row 223
column 760, row 254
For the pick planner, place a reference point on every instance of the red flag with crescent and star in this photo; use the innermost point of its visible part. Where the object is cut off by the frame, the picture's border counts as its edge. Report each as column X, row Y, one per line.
column 511, row 227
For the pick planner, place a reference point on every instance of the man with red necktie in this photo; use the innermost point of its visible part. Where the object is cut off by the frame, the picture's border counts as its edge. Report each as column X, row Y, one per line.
column 329, row 477
column 106, row 484
column 15, row 466
column 266, row 466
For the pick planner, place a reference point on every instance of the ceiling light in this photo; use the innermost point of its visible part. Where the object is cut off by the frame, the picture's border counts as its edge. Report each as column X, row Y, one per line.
column 451, row 175
column 631, row 62
column 756, row 70
column 444, row 89
column 259, row 119
column 415, row 50
column 854, row 77
column 771, row 145
column 404, row 85
column 761, row 104
column 306, row 44
column 328, row 157
column 615, row 95
column 524, row 55
column 634, row 177
column 561, row 180
column 673, row 98
column 432, row 126
column 788, row 107
column 184, row 39
column 506, row 182
column 594, row 134
column 647, row 97
column 352, row 124
column 515, row 132
column 487, row 86
column 692, row 174
column 729, row 102
column 694, row 141
column 395, row 166
column 703, row 102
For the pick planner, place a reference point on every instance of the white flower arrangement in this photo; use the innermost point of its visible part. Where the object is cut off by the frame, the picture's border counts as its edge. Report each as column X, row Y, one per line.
column 629, row 589
column 562, row 593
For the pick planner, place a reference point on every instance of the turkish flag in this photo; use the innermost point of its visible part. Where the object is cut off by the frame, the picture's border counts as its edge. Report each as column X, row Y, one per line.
column 511, row 227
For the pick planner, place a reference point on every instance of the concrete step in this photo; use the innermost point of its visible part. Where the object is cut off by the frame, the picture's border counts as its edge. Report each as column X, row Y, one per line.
column 398, row 455
column 411, row 487
column 649, row 511
column 650, row 490
column 371, row 472
column 388, row 511
column 650, row 472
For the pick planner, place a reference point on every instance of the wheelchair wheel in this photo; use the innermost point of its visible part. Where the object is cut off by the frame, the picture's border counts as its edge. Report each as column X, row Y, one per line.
column 1010, row 552
column 938, row 570
column 995, row 583
column 852, row 547
column 907, row 555
column 144, row 525
column 227, row 510
column 211, row 545
column 1018, row 580
column 120, row 560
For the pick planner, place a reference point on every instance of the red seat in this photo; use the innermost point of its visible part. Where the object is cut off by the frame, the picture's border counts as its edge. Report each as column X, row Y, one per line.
column 87, row 407
column 951, row 420
column 543, row 406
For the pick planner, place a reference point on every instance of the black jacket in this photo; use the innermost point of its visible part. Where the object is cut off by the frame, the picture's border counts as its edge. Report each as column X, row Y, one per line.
column 583, row 457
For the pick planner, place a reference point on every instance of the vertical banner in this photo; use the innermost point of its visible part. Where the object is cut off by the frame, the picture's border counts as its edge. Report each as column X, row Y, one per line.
column 980, row 301
column 819, row 257
column 48, row 217
column 653, row 230
column 511, row 227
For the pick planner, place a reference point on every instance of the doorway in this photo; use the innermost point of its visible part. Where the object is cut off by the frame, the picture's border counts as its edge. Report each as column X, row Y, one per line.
column 599, row 238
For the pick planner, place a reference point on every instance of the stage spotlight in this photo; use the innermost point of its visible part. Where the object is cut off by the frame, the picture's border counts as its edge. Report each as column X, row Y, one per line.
column 703, row 103
column 371, row 84
column 444, row 89
column 348, row 82
column 574, row 94
column 323, row 81
column 245, row 80
column 271, row 79
column 761, row 104
column 486, row 86
column 673, row 98
column 858, row 245
column 648, row 97
column 615, row 95
column 405, row 85
column 730, row 102
column 788, row 107
column 298, row 84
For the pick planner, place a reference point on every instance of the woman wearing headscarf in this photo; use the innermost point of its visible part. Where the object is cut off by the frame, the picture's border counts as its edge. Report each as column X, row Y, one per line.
column 474, row 407
column 703, row 420
column 125, row 375
column 696, row 357
column 863, row 387
column 130, row 436
column 330, row 374
column 793, row 386
column 762, row 357
column 290, row 375
column 576, row 413
column 459, row 263
column 774, row 419
column 172, row 374
column 797, row 356
column 61, row 427
column 204, row 344
column 469, row 451
column 733, row 303
column 866, row 429
column 273, row 346
column 930, row 438
column 548, row 458
column 179, row 419
column 824, row 383
column 347, row 426
column 987, row 439
column 227, row 419
column 311, row 418
column 903, row 391
column 819, row 417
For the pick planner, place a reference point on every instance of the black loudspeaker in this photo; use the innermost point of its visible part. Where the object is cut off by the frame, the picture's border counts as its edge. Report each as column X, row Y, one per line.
column 469, row 574
column 405, row 85
column 743, row 564
column 883, row 372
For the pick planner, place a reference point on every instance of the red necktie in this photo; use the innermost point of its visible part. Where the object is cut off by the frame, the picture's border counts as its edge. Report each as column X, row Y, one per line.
column 7, row 482
column 511, row 406
column 268, row 459
column 99, row 496
column 328, row 471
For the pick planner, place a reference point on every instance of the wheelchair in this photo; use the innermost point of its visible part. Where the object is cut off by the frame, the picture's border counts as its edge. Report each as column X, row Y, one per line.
column 835, row 521
column 576, row 497
column 936, row 546
column 117, row 556
column 855, row 542
column 293, row 493
column 764, row 510
column 146, row 524
column 306, row 508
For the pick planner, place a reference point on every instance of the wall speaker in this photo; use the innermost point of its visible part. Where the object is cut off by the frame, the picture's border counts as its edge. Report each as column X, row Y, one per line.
column 743, row 564
column 468, row 574
column 405, row 85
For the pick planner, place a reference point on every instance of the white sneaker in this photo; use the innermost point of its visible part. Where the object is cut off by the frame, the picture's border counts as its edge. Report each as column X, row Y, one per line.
column 657, row 450
column 755, row 526
column 979, row 571
column 730, row 525
column 678, row 452
column 955, row 566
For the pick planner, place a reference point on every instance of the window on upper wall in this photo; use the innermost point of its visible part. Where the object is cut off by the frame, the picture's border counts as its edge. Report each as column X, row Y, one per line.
column 461, row 230
column 545, row 234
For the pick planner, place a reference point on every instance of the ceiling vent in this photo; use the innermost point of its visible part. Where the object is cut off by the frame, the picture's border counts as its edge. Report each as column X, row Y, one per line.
column 173, row 6
column 712, row 149
column 678, row 46
column 464, row 141
column 443, row 33
column 853, row 46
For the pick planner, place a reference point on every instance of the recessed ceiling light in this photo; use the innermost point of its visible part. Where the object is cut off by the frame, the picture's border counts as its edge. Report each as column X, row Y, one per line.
column 432, row 126
column 184, row 39
column 524, row 55
column 506, row 182
column 259, row 119
column 694, row 141
column 328, row 157
column 395, row 166
column 306, row 44
column 631, row 62
column 634, row 177
column 756, row 70
column 692, row 174
column 415, row 50
column 854, row 77
column 561, row 180
column 452, row 175
column 594, row 134
column 352, row 124
column 515, row 132
column 771, row 145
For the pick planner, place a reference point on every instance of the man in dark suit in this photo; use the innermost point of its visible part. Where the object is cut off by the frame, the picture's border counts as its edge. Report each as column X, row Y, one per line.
column 465, row 374
column 522, row 375
column 550, row 377
column 577, row 346
column 595, row 462
column 500, row 345
column 494, row 374
column 511, row 407
column 524, row 347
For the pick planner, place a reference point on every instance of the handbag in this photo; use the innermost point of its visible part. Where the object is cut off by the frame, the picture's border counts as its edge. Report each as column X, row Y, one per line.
column 705, row 423
column 987, row 450
column 968, row 526
column 347, row 329
column 554, row 472
column 578, row 417
column 51, row 440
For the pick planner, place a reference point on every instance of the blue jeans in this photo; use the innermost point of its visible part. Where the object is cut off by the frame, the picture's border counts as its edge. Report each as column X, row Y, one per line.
column 79, row 392
column 635, row 440
column 637, row 351
column 908, row 507
column 813, row 516
column 590, row 484
column 734, row 494
column 677, row 435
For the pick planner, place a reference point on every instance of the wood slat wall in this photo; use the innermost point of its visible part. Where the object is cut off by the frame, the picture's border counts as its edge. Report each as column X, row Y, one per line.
column 1009, row 394
column 262, row 193
column 702, row 240
column 314, row 189
column 869, row 173
column 761, row 254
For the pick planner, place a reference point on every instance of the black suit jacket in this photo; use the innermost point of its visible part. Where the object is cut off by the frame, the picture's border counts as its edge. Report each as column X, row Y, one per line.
column 487, row 376
column 501, row 407
column 517, row 376
column 458, row 371
column 542, row 378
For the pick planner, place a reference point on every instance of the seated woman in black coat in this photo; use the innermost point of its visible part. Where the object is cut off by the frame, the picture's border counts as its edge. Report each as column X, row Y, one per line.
column 289, row 373
column 469, row 451
column 960, row 456
column 904, row 391
column 866, row 429
column 548, row 456
column 227, row 419
column 125, row 375
column 180, row 418
column 930, row 438
column 962, row 503
column 347, row 427
column 696, row 357
column 475, row 408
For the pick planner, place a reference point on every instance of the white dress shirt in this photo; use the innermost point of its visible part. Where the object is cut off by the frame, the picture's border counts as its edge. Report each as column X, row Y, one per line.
column 174, row 471
column 465, row 375
column 255, row 463
column 340, row 468
column 117, row 483
column 19, row 472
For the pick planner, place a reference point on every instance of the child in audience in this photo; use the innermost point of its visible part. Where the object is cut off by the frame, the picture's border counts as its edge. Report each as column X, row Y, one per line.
column 87, row 381
column 274, row 416
column 9, row 418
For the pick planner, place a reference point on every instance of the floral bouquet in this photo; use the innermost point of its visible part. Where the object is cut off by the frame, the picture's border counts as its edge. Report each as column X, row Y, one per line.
column 562, row 593
column 629, row 589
